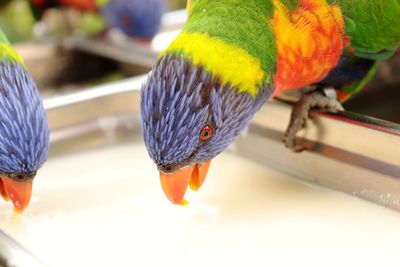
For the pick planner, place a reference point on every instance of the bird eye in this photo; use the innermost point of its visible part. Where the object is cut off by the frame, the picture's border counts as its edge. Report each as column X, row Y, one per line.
column 206, row 133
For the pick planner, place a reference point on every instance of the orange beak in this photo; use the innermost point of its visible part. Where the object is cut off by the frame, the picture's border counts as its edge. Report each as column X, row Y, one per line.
column 175, row 184
column 19, row 192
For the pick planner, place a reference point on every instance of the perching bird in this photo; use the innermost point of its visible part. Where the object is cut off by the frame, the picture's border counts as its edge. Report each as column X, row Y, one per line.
column 232, row 55
column 139, row 19
column 24, row 134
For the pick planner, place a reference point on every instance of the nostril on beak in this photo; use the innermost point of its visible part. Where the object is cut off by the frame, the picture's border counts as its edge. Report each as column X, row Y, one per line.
column 21, row 177
column 166, row 168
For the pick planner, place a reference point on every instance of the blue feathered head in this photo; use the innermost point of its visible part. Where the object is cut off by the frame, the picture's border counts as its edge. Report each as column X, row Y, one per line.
column 24, row 135
column 135, row 18
column 189, row 117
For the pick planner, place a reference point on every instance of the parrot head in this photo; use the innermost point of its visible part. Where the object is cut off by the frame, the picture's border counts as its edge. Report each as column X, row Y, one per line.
column 189, row 117
column 139, row 19
column 24, row 137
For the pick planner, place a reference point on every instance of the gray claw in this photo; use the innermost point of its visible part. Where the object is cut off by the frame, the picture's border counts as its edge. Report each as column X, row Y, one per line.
column 301, row 111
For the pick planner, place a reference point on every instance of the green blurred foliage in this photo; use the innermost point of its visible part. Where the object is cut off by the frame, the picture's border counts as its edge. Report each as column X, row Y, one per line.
column 91, row 23
column 16, row 20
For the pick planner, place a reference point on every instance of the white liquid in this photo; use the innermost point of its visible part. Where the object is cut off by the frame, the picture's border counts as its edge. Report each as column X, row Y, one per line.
column 106, row 208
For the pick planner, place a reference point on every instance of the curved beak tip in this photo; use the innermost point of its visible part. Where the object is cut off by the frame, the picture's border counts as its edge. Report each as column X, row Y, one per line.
column 175, row 184
column 18, row 192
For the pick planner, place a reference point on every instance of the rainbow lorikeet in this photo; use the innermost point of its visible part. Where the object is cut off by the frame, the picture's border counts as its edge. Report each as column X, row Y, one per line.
column 138, row 19
column 24, row 134
column 232, row 55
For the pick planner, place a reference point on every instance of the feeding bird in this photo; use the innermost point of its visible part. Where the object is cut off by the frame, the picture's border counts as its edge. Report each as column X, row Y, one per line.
column 24, row 134
column 139, row 19
column 232, row 55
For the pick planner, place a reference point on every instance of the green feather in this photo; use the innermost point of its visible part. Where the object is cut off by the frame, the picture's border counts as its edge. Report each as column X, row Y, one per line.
column 237, row 22
column 373, row 26
column 7, row 52
column 356, row 87
column 290, row 4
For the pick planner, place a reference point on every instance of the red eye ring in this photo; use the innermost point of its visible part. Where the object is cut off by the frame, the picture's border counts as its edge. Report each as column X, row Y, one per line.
column 206, row 133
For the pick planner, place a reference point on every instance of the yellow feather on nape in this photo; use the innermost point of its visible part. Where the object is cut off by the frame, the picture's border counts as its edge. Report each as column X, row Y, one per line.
column 230, row 64
column 7, row 52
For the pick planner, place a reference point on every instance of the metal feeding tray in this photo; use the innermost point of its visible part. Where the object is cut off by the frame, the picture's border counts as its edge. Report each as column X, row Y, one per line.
column 97, row 200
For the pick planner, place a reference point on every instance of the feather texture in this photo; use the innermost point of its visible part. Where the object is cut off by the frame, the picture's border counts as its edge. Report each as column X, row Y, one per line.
column 24, row 137
column 297, row 42
column 178, row 99
column 232, row 55
column 372, row 26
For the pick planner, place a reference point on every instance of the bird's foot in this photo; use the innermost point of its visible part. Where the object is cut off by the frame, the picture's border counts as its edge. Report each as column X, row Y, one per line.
column 322, row 99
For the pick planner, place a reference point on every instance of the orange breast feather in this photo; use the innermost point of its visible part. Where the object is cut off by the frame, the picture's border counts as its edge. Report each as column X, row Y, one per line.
column 309, row 43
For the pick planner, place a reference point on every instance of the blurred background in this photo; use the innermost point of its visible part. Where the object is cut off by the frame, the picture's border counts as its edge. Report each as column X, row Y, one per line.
column 48, row 36
column 98, row 195
column 17, row 19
